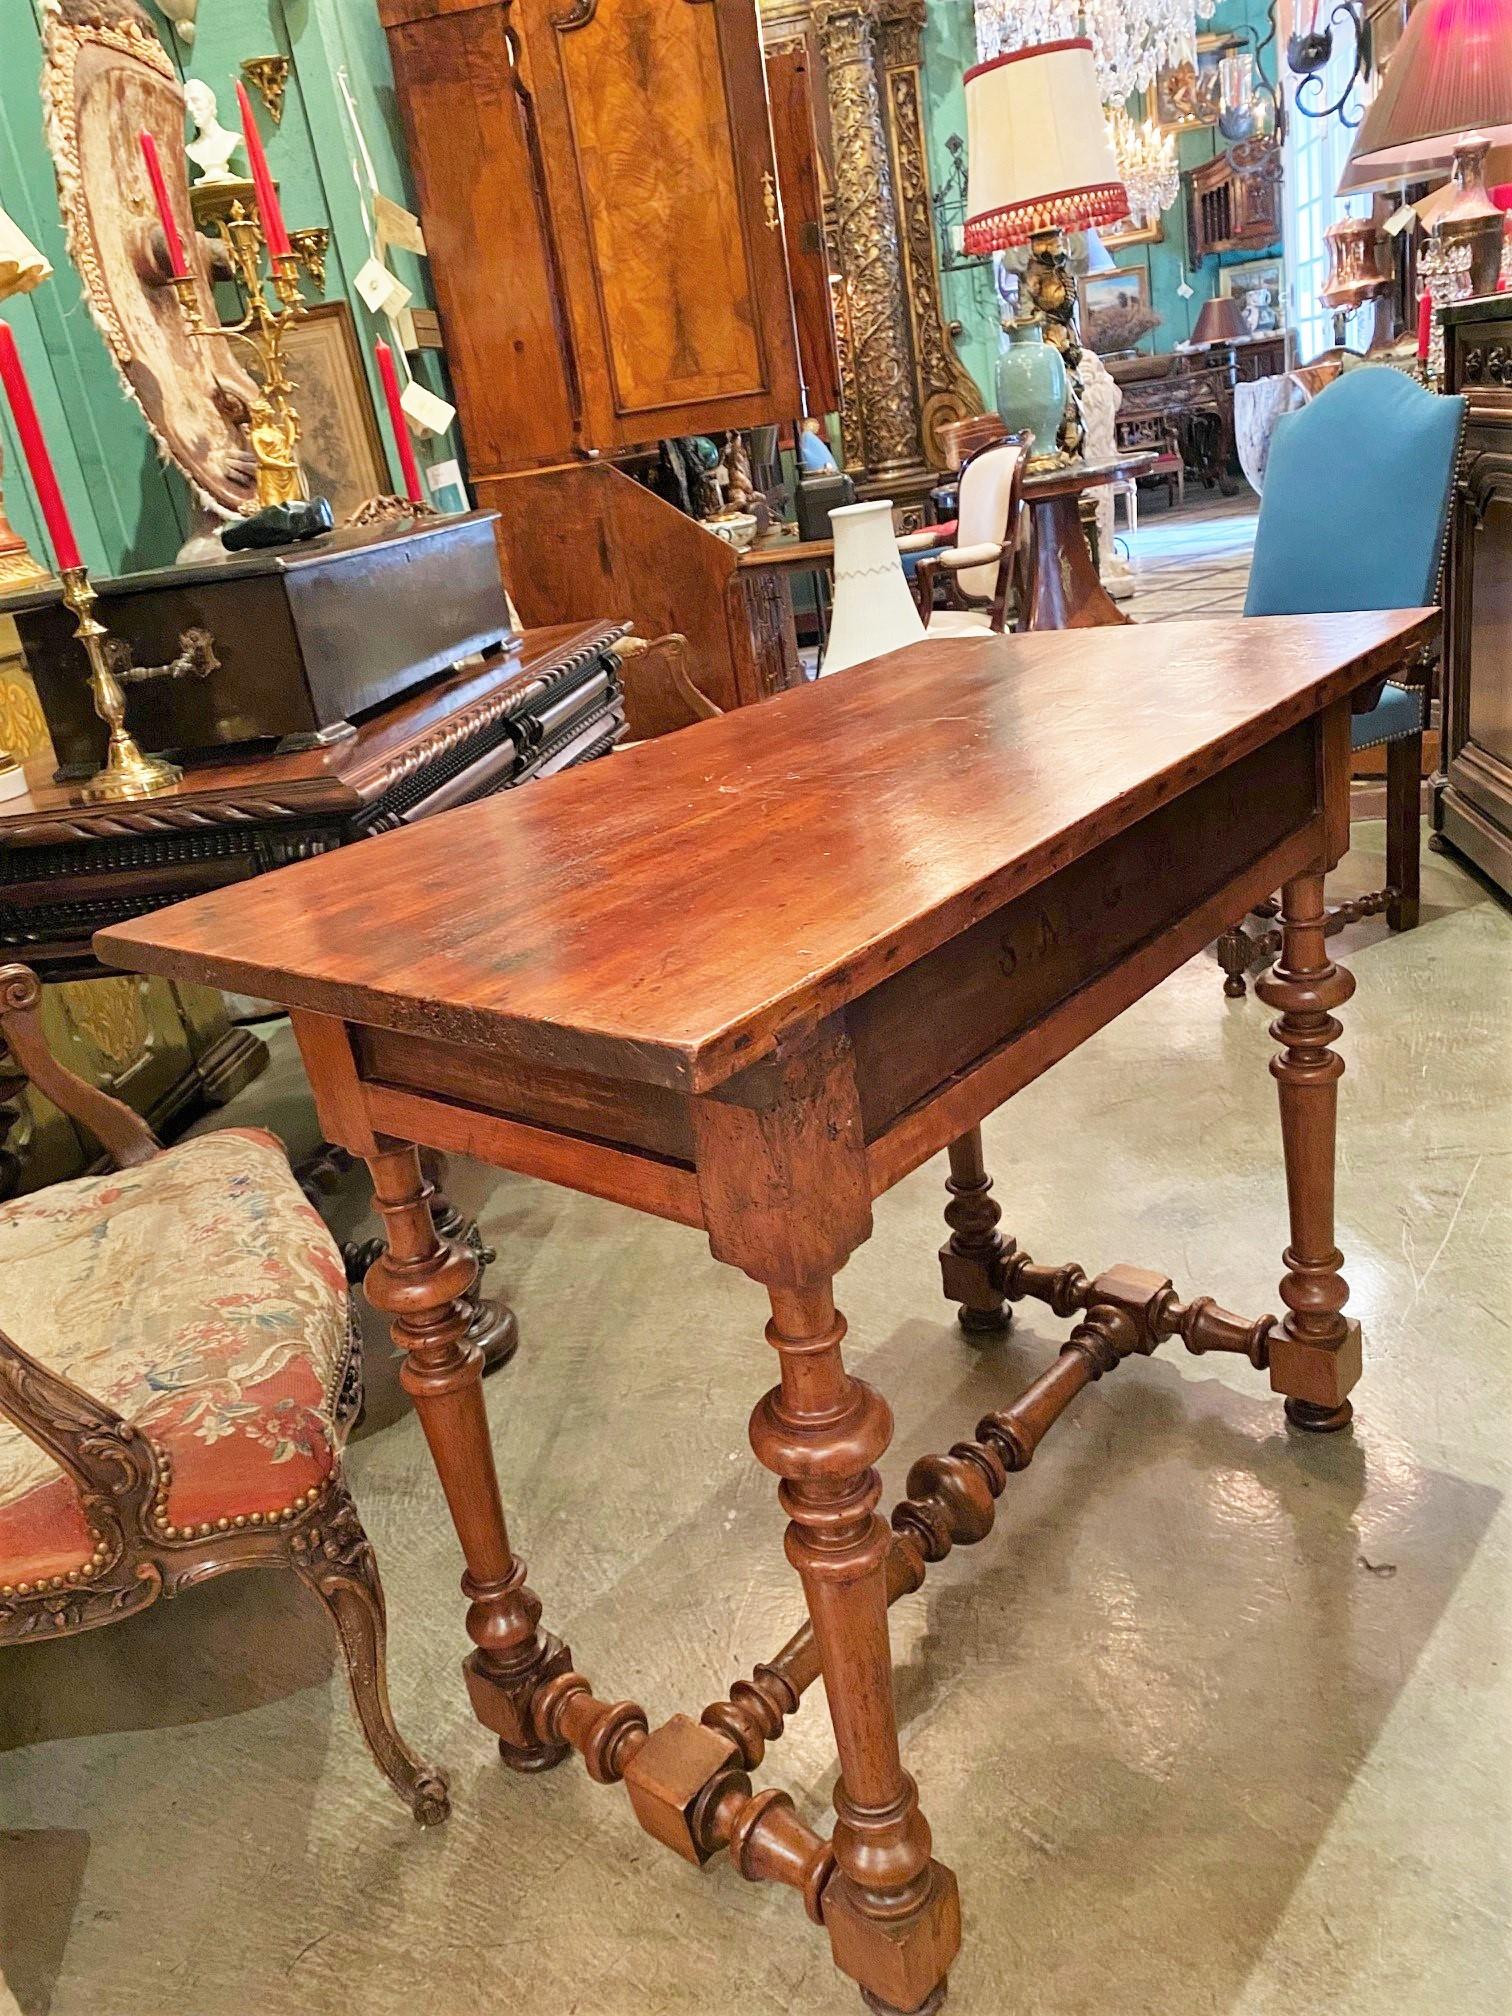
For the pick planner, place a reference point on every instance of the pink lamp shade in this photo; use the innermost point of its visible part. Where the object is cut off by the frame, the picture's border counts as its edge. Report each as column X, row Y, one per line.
column 1038, row 152
column 1449, row 77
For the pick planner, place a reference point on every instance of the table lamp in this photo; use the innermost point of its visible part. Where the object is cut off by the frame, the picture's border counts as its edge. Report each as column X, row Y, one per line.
column 1039, row 164
column 1446, row 100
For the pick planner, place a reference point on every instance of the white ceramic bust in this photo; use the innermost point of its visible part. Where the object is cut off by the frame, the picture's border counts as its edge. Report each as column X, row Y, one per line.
column 213, row 145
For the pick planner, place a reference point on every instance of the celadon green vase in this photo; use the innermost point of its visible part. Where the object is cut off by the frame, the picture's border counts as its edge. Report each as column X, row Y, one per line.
column 1031, row 384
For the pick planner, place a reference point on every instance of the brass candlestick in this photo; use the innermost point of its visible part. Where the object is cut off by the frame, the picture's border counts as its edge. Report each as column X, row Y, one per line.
column 129, row 772
column 273, row 423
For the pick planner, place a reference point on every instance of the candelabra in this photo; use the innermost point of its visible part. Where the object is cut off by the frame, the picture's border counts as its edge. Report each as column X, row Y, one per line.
column 128, row 771
column 273, row 423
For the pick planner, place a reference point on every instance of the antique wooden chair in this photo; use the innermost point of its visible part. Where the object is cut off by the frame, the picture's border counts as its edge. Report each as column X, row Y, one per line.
column 178, row 1371
column 1355, row 515
column 980, row 570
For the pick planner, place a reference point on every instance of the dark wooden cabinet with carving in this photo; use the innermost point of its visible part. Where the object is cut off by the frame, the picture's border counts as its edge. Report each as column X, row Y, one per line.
column 1472, row 807
column 1234, row 201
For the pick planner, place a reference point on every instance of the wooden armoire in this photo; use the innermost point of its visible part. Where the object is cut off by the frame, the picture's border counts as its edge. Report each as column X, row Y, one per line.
column 600, row 205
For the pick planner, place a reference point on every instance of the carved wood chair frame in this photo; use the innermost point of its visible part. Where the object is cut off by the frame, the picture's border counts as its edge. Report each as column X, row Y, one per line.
column 951, row 562
column 122, row 1477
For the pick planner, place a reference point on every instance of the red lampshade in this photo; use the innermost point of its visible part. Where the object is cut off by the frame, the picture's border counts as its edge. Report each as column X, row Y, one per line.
column 1038, row 152
column 1450, row 76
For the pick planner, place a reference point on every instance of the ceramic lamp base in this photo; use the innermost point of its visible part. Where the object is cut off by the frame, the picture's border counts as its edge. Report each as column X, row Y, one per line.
column 12, row 780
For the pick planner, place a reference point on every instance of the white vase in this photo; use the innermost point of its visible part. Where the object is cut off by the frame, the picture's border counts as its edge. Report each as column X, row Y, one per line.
column 874, row 609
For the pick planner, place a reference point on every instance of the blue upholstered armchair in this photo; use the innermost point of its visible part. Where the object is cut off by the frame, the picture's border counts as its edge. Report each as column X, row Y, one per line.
column 1354, row 516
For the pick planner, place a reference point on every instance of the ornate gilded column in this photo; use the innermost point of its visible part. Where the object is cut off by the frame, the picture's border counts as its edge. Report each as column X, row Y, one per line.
column 945, row 389
column 876, row 347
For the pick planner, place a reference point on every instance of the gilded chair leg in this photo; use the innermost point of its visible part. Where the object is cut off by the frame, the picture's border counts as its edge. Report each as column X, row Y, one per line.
column 332, row 1555
column 1404, row 765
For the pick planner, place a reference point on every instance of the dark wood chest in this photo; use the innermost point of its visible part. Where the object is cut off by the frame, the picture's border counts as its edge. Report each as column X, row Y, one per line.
column 1472, row 807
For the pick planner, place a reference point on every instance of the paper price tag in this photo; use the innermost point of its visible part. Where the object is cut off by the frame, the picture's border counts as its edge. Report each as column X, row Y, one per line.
column 1399, row 220
column 397, row 226
column 372, row 281
column 424, row 411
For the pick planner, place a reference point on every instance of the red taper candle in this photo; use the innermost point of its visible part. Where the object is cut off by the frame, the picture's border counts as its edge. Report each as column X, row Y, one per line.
column 275, row 237
column 176, row 263
column 399, row 424
column 1425, row 324
column 34, row 448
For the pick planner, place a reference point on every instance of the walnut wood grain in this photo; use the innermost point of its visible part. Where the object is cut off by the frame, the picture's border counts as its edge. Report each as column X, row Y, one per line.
column 896, row 804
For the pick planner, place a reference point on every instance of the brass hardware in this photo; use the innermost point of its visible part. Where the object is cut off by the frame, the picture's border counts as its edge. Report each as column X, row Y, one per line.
column 129, row 772
column 269, row 78
column 310, row 248
column 769, row 199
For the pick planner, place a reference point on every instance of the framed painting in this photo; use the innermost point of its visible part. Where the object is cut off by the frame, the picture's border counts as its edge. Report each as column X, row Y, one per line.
column 340, row 449
column 1187, row 96
column 1259, row 287
column 1115, row 308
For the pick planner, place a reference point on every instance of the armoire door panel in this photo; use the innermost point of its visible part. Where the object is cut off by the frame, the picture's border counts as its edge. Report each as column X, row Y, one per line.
column 790, row 93
column 475, row 153
column 657, row 159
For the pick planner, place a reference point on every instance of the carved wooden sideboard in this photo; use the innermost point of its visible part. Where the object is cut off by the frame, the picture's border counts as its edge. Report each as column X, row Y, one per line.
column 1472, row 799
column 68, row 870
column 1191, row 402
column 162, row 1049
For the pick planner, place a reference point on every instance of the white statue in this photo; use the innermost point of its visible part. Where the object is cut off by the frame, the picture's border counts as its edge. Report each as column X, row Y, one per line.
column 181, row 13
column 1101, row 399
column 213, row 145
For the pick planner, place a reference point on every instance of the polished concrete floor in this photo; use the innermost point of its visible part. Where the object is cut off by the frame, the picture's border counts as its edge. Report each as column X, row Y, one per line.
column 1217, row 1720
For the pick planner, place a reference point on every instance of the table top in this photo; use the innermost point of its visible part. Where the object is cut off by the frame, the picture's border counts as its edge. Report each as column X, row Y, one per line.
column 342, row 776
column 666, row 915
column 1079, row 476
column 783, row 548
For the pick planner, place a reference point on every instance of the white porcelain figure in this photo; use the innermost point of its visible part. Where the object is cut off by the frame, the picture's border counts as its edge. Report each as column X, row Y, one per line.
column 1102, row 396
column 874, row 610
column 213, row 145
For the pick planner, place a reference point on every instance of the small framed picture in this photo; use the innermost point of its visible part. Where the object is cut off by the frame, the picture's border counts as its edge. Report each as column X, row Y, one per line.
column 340, row 449
column 1116, row 312
column 1187, row 96
column 1259, row 287
column 1115, row 236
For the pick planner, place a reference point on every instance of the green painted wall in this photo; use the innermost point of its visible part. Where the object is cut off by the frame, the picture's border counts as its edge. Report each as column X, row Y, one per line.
column 130, row 511
column 949, row 50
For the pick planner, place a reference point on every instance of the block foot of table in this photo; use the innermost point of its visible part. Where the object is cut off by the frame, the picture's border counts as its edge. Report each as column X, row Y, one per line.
column 976, row 1249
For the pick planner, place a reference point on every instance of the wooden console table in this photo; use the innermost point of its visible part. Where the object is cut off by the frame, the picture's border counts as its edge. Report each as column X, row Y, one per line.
column 906, row 892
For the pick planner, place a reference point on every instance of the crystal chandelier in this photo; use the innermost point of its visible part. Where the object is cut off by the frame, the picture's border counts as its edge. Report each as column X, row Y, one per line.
column 1147, row 165
column 1131, row 39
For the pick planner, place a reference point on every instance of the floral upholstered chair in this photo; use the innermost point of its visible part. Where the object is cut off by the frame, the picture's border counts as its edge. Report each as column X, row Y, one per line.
column 178, row 1370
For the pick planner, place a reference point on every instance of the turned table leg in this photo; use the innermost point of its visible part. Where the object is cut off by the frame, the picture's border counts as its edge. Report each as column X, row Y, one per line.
column 1315, row 1350
column 892, row 1914
column 423, row 1282
column 975, row 1246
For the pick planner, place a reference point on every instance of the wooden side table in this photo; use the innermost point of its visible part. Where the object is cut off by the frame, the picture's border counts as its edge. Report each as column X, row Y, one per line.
column 910, row 894
column 1061, row 589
